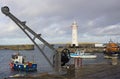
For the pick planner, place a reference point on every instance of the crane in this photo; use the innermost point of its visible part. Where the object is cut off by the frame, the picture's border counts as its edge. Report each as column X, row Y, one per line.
column 22, row 25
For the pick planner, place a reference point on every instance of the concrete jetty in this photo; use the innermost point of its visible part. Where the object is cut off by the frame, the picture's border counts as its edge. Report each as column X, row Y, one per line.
column 98, row 71
column 92, row 71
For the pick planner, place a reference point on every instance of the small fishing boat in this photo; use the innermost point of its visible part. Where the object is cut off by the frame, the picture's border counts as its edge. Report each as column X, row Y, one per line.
column 18, row 63
column 82, row 55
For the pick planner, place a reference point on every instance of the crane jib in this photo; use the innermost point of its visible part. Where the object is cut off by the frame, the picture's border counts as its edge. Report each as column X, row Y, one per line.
column 5, row 10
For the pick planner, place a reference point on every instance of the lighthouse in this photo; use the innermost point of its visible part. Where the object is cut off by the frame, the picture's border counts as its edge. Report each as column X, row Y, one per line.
column 74, row 34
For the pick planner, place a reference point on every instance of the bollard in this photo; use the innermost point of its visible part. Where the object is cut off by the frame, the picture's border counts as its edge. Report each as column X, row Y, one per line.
column 114, row 61
column 78, row 62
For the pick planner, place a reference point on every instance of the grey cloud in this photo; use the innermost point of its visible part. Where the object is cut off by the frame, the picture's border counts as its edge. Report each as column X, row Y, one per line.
column 53, row 18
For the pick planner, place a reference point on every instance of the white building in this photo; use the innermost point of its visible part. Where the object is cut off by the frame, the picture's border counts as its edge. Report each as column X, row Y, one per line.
column 74, row 34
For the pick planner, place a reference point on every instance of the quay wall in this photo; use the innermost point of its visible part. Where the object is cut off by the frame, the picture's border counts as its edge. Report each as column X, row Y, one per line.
column 17, row 47
column 88, row 48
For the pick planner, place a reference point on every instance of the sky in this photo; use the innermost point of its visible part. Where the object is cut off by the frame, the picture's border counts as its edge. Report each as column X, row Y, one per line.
column 97, row 20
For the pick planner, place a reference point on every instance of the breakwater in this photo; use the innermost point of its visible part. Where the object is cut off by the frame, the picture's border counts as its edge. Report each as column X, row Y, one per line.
column 17, row 47
column 87, row 50
column 91, row 48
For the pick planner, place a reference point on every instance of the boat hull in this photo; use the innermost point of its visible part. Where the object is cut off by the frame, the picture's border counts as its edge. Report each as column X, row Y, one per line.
column 82, row 56
column 23, row 67
column 111, row 56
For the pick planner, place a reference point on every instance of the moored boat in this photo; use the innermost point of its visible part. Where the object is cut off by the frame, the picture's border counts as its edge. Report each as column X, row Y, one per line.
column 18, row 63
column 110, row 57
column 82, row 55
column 111, row 50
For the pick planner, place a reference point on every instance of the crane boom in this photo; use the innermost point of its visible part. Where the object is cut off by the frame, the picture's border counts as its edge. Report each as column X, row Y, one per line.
column 5, row 10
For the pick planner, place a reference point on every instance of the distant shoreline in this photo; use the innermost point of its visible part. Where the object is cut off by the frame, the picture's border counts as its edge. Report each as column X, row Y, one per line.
column 17, row 47
column 89, row 47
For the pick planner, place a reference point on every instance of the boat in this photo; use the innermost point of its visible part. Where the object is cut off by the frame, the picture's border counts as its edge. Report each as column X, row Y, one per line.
column 110, row 57
column 79, row 54
column 18, row 63
column 111, row 50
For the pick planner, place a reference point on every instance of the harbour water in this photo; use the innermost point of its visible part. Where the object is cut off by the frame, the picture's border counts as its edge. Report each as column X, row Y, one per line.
column 36, row 56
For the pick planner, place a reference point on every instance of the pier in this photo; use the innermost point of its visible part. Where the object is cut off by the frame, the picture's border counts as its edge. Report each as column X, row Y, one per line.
column 88, row 47
column 93, row 71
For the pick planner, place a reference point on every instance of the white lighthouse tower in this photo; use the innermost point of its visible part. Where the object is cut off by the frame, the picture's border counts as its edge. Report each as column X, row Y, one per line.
column 74, row 34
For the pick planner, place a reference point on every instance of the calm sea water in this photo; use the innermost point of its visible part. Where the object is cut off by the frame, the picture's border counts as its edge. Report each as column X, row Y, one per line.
column 35, row 55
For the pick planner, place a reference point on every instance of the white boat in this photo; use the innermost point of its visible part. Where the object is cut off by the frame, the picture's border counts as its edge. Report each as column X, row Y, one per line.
column 79, row 54
column 110, row 57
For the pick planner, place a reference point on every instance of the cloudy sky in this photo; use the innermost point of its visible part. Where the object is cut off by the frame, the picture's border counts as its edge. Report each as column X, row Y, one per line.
column 98, row 20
